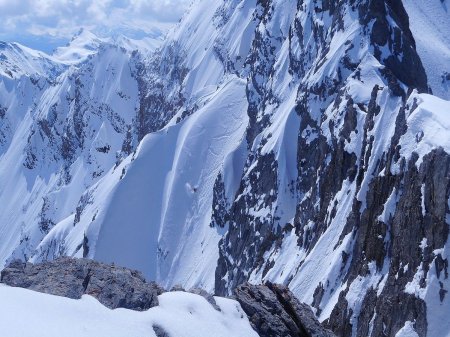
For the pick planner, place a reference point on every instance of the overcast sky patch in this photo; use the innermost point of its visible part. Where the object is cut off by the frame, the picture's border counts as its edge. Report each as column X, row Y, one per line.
column 45, row 24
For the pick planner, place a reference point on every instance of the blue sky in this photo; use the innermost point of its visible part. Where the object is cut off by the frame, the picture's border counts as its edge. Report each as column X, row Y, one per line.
column 46, row 24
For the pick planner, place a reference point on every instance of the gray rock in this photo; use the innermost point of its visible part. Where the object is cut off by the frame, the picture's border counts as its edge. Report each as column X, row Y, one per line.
column 274, row 311
column 207, row 296
column 160, row 332
column 177, row 287
column 114, row 287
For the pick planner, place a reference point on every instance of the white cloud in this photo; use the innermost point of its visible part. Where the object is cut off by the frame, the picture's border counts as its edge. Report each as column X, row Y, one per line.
column 60, row 19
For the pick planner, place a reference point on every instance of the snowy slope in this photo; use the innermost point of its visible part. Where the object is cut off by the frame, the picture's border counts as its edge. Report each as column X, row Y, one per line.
column 82, row 45
column 60, row 135
column 155, row 240
column 17, row 60
column 85, row 44
column 132, row 200
column 27, row 313
column 431, row 29
column 285, row 141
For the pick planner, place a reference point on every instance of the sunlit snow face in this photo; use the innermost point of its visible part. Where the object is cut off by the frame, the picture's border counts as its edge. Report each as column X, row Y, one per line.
column 46, row 23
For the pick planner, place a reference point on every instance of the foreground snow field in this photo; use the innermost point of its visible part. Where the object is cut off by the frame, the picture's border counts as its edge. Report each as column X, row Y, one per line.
column 28, row 313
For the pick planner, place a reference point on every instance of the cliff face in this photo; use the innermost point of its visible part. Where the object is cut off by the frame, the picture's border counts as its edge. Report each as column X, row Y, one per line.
column 296, row 142
column 370, row 221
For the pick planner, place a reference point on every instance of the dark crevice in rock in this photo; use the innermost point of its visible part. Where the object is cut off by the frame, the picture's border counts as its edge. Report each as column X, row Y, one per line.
column 317, row 298
column 86, row 280
column 220, row 204
column 441, row 265
column 85, row 246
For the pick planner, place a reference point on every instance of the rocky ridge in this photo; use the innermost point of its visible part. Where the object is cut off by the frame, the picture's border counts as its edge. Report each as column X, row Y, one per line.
column 113, row 286
column 272, row 309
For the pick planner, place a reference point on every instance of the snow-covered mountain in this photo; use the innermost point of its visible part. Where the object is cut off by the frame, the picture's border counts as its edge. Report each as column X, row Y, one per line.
column 85, row 44
column 302, row 142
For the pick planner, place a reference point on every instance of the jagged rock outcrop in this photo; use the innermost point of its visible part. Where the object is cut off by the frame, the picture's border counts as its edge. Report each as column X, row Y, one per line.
column 114, row 287
column 274, row 311
column 207, row 296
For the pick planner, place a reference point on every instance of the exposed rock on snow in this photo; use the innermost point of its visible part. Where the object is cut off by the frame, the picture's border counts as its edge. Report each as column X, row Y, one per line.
column 274, row 311
column 207, row 297
column 114, row 287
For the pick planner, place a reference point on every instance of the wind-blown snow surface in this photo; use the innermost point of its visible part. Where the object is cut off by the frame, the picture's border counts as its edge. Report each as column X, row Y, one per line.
column 277, row 140
column 27, row 313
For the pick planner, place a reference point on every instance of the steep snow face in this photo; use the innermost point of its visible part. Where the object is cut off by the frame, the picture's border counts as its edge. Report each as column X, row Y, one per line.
column 82, row 45
column 59, row 136
column 429, row 24
column 85, row 44
column 17, row 60
column 152, row 212
column 286, row 141
column 178, row 314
